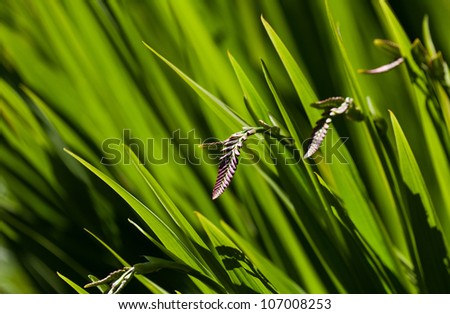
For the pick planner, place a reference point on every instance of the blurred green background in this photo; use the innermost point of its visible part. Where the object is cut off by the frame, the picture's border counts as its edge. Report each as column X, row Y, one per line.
column 76, row 73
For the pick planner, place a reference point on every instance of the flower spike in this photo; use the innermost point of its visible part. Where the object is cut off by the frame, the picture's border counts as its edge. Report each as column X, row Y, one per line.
column 230, row 152
column 321, row 128
column 229, row 160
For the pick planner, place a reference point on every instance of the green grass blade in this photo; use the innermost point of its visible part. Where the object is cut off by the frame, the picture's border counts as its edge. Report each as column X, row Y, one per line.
column 345, row 180
column 103, row 243
column 398, row 34
column 375, row 168
column 75, row 287
column 281, row 282
column 164, row 198
column 232, row 260
column 297, row 76
column 216, row 105
column 256, row 102
column 434, row 159
column 410, row 170
column 422, row 219
column 151, row 286
column 170, row 238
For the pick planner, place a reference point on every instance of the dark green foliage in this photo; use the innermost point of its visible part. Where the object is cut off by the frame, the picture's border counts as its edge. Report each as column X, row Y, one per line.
column 98, row 128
